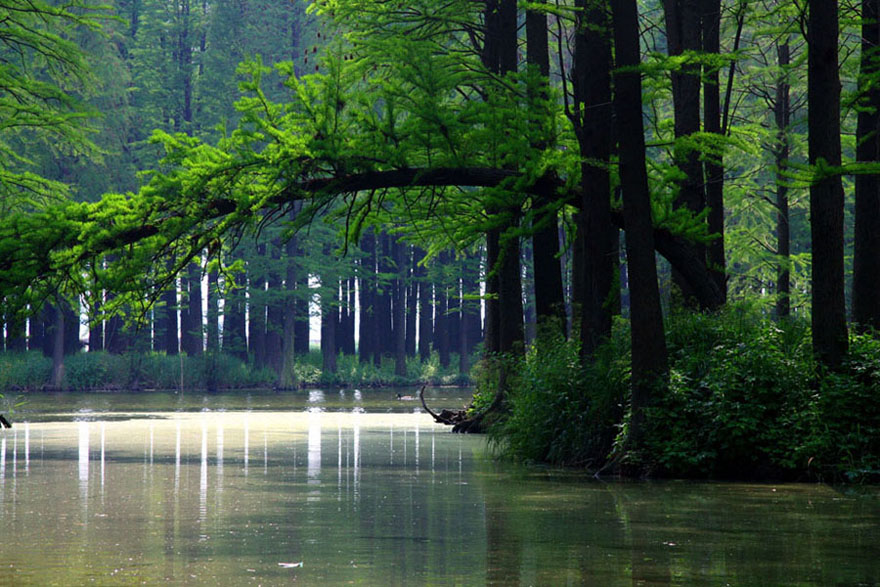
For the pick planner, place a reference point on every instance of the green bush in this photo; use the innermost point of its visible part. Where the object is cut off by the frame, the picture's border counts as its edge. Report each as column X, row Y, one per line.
column 561, row 412
column 746, row 400
column 24, row 371
column 738, row 398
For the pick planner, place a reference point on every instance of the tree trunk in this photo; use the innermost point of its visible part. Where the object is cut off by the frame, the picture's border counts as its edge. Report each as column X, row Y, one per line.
column 426, row 310
column 257, row 314
column 274, row 311
column 367, row 278
column 400, row 260
column 411, row 303
column 649, row 359
column 328, row 319
column 830, row 341
column 866, row 253
column 213, row 326
column 782, row 116
column 683, row 35
column 287, row 378
column 234, row 325
column 592, row 87
column 58, row 348
column 714, row 167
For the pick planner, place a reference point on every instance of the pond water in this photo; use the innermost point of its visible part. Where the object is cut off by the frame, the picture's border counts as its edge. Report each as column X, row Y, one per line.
column 332, row 487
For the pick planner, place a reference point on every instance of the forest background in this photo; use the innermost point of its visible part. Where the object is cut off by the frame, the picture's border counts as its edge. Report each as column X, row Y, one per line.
column 445, row 187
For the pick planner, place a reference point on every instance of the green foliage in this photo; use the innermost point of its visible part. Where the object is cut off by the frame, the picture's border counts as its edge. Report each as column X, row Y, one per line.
column 747, row 399
column 561, row 412
column 101, row 371
column 24, row 371
column 738, row 396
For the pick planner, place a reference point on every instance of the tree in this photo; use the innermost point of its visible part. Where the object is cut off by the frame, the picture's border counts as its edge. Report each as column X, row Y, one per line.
column 830, row 340
column 649, row 365
column 866, row 250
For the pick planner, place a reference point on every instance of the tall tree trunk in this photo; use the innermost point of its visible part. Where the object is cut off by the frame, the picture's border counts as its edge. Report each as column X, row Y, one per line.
column 191, row 335
column 367, row 278
column 649, row 358
column 382, row 303
column 234, row 325
column 58, row 347
column 212, row 330
column 866, row 253
column 683, row 35
column 442, row 318
column 592, row 87
column 782, row 116
column 400, row 260
column 426, row 310
column 472, row 326
column 411, row 304
column 274, row 310
column 16, row 330
column 96, row 329
column 714, row 167
column 257, row 314
column 830, row 341
column 328, row 319
column 287, row 378
column 167, row 323
column 549, row 300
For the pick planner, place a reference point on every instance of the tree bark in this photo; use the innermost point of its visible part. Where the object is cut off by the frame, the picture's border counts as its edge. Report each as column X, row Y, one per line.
column 830, row 342
column 649, row 359
column 593, row 109
column 714, row 166
column 782, row 117
column 683, row 35
column 866, row 249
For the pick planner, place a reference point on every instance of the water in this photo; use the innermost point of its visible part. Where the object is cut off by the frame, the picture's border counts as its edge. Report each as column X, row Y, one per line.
column 326, row 488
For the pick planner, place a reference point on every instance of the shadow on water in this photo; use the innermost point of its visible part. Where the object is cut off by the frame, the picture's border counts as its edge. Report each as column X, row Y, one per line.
column 329, row 487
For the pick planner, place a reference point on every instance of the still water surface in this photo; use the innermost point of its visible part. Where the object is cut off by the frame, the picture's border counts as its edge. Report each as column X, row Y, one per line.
column 326, row 488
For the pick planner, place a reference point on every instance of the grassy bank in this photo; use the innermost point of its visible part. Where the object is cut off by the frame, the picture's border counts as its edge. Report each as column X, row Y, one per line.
column 138, row 371
column 746, row 400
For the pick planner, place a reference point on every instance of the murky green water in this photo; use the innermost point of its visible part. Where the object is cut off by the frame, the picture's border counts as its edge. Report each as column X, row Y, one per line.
column 324, row 488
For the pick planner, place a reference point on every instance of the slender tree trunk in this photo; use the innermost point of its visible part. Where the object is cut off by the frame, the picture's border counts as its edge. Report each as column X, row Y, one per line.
column 382, row 304
column 96, row 329
column 367, row 278
column 782, row 116
column 549, row 300
column 649, row 358
column 274, row 310
column 58, row 348
column 400, row 260
column 830, row 342
column 442, row 318
column 683, row 35
column 592, row 87
column 714, row 168
column 257, row 314
column 411, row 304
column 234, row 326
column 212, row 330
column 328, row 320
column 287, row 379
column 472, row 326
column 426, row 309
column 866, row 253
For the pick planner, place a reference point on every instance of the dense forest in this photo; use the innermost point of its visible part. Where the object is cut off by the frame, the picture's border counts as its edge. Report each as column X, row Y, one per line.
column 648, row 232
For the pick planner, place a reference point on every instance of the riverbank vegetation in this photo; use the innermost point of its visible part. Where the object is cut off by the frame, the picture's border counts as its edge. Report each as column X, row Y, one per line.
column 668, row 210
column 746, row 399
column 133, row 371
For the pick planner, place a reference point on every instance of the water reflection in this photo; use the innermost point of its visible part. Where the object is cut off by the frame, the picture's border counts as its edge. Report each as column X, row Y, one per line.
column 196, row 517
